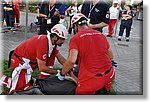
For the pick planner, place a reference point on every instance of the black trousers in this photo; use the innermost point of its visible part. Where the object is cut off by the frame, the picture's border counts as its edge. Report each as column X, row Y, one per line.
column 9, row 17
column 44, row 27
column 122, row 28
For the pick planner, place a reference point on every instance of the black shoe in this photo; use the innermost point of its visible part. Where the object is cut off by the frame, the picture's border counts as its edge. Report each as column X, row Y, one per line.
column 119, row 39
column 109, row 36
column 127, row 40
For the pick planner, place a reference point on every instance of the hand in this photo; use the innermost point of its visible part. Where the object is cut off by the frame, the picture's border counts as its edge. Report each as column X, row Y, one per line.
column 70, row 78
column 62, row 16
column 60, row 76
column 56, row 13
column 45, row 16
column 115, row 64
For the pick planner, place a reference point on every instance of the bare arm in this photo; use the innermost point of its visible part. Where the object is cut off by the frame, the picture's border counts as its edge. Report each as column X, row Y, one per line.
column 70, row 61
column 110, row 53
column 72, row 77
column 99, row 25
column 38, row 12
column 43, row 68
column 124, row 15
column 8, row 8
column 127, row 16
column 60, row 58
column 42, row 15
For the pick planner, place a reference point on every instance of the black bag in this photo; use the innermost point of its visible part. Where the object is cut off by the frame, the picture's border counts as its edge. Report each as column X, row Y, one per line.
column 54, row 86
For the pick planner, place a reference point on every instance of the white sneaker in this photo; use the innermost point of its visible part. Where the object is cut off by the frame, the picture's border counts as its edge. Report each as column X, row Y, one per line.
column 119, row 38
column 127, row 39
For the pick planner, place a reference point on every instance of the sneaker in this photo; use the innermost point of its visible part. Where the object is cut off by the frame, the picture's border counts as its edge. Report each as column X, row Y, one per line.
column 119, row 38
column 109, row 36
column 13, row 29
column 127, row 39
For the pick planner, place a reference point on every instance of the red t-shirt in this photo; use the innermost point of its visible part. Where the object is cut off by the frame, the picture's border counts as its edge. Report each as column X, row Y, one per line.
column 36, row 48
column 16, row 4
column 92, row 49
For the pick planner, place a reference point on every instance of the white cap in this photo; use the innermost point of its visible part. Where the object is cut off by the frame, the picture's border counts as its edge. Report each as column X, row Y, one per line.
column 115, row 1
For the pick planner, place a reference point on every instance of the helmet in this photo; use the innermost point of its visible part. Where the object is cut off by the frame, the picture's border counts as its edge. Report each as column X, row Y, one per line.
column 60, row 30
column 77, row 17
column 115, row 1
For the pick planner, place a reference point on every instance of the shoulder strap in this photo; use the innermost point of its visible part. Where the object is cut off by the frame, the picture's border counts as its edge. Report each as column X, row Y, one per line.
column 10, row 54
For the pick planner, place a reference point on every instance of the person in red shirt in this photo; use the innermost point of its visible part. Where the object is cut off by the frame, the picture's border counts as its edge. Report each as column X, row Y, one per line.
column 94, row 55
column 17, row 12
column 37, row 51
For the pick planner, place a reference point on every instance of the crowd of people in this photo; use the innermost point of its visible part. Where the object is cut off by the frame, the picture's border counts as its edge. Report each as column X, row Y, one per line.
column 88, row 48
column 99, row 15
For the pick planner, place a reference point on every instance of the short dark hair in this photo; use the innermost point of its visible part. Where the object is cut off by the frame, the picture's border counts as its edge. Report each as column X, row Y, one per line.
column 53, row 34
column 129, row 6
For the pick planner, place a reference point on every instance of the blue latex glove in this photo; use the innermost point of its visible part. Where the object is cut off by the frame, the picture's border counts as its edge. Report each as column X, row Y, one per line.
column 115, row 64
column 61, row 77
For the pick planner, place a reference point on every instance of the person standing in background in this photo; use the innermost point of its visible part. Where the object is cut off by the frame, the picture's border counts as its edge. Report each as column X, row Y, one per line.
column 126, row 22
column 72, row 11
column 114, row 14
column 97, row 11
column 40, row 2
column 49, row 14
column 17, row 12
column 2, row 3
column 9, row 14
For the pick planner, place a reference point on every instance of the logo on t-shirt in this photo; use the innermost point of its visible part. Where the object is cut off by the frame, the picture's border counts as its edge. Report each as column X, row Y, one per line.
column 97, row 10
column 107, row 16
column 44, row 56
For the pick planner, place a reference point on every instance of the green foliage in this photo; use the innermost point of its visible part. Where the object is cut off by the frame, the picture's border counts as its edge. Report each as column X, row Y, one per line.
column 110, row 2
column 5, row 70
column 36, row 73
column 33, row 2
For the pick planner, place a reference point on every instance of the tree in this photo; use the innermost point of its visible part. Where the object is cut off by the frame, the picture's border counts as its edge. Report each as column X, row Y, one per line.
column 110, row 2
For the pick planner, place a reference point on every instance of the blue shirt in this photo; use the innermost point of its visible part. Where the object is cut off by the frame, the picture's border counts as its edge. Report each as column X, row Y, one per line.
column 49, row 11
column 127, row 22
column 96, row 13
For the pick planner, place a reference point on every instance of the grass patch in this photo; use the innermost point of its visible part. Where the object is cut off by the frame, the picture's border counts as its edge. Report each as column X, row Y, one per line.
column 8, row 71
column 5, row 70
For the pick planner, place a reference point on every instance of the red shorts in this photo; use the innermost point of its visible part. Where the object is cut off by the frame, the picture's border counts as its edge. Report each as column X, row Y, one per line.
column 92, row 85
